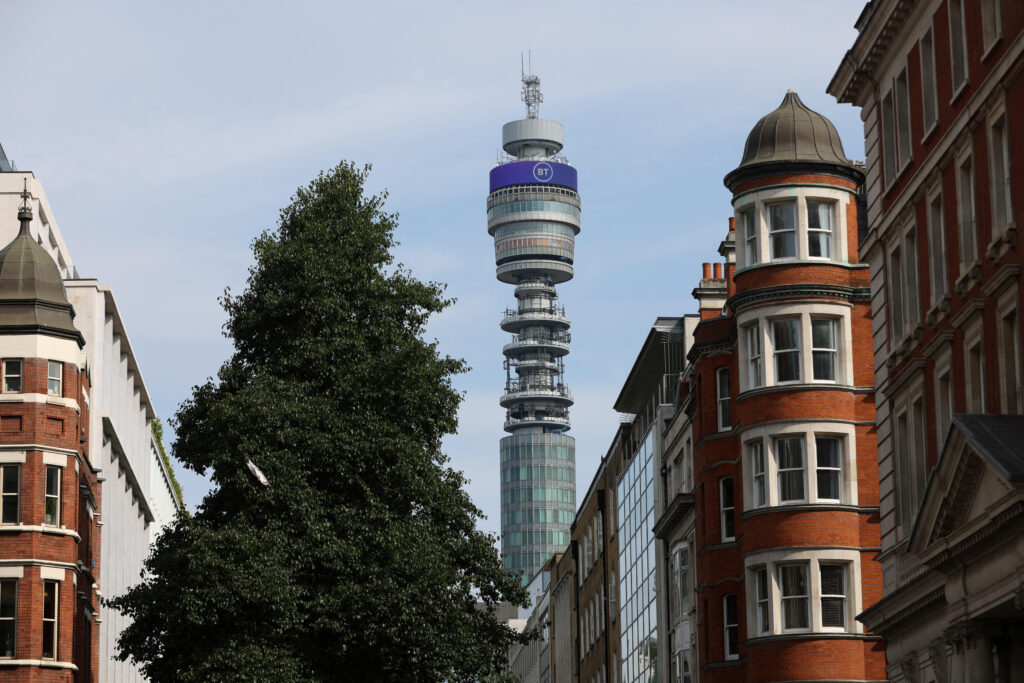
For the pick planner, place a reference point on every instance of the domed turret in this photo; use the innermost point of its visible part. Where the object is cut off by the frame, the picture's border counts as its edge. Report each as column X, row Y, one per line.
column 792, row 136
column 32, row 296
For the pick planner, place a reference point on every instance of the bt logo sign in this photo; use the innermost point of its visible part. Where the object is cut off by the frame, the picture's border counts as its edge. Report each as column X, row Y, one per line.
column 543, row 172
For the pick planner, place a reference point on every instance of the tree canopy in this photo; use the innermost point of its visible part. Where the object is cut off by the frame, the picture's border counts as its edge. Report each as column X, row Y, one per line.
column 361, row 559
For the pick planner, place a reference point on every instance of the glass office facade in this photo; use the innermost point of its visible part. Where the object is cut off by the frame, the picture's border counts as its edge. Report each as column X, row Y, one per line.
column 638, row 614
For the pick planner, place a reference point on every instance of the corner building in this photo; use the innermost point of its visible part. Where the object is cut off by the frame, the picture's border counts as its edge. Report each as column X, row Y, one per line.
column 533, row 213
column 49, row 532
column 940, row 86
column 779, row 413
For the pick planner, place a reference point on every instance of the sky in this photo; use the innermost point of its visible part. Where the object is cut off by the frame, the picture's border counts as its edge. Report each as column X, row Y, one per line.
column 168, row 135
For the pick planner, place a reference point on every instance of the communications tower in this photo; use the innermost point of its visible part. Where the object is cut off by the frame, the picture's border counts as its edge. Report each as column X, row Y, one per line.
column 533, row 213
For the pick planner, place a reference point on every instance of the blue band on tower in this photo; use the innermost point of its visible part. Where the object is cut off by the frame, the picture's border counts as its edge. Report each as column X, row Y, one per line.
column 532, row 173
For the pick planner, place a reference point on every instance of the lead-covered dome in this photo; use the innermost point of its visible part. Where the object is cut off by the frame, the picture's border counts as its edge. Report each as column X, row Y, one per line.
column 792, row 135
column 32, row 296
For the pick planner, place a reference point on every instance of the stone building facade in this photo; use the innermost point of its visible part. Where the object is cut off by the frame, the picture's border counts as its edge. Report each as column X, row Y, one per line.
column 940, row 85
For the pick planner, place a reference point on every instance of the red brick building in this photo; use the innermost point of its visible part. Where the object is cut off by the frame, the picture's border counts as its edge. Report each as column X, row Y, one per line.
column 770, row 527
column 49, row 537
column 940, row 84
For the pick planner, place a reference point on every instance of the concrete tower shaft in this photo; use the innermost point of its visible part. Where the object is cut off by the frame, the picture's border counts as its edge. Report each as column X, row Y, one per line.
column 533, row 213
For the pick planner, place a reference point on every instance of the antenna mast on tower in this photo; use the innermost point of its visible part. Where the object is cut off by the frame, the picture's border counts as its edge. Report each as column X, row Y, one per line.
column 532, row 95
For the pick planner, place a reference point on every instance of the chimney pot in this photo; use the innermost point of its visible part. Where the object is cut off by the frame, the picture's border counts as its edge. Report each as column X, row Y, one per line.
column 707, row 271
column 732, row 223
column 718, row 271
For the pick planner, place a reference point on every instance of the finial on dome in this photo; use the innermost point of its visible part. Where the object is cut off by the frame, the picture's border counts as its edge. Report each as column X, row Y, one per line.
column 25, row 210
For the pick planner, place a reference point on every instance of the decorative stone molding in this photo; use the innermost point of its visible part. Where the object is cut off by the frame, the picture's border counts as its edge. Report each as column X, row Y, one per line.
column 937, row 652
column 908, row 665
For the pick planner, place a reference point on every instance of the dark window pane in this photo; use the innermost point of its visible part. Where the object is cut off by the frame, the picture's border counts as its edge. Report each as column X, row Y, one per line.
column 8, row 599
column 824, row 365
column 52, row 480
column 832, row 612
column 10, row 510
column 795, row 613
column 10, row 479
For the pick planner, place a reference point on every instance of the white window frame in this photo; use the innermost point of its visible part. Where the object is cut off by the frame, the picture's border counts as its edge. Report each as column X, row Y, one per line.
column 842, row 596
column 929, row 82
column 957, row 20
column 935, row 212
column 1008, row 339
column 58, row 471
column 785, row 471
column 51, row 622
column 829, row 234
column 756, row 250
column 54, row 380
column 11, row 584
column 9, row 375
column 727, row 513
column 804, row 598
column 771, row 560
column 966, row 211
column 758, row 473
column 730, row 627
column 999, row 163
column 762, row 601
column 764, row 317
column 944, row 400
column 832, row 470
column 809, row 434
column 755, row 356
column 15, row 494
column 902, row 282
column 789, row 350
column 723, row 403
column 910, row 453
column 974, row 338
column 793, row 231
column 991, row 25
column 833, row 350
column 748, row 220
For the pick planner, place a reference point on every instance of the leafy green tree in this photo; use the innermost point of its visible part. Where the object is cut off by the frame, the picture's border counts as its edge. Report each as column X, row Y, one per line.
column 360, row 560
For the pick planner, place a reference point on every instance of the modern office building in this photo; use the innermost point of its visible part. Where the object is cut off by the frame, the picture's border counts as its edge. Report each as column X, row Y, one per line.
column 533, row 213
column 940, row 84
column 136, row 494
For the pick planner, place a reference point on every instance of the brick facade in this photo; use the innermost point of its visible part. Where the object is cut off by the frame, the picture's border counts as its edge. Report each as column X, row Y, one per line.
column 49, row 535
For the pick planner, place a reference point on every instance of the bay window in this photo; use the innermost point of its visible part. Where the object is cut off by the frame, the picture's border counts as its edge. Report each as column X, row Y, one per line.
column 801, row 591
column 800, row 465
